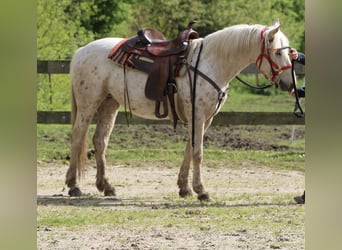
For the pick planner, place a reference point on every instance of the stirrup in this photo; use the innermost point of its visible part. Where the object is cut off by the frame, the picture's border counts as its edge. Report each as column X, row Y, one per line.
column 157, row 109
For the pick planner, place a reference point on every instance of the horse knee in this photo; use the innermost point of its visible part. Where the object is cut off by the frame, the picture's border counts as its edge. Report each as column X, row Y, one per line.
column 197, row 158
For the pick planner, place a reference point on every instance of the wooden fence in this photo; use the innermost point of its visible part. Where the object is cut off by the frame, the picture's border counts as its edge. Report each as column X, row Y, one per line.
column 63, row 67
column 222, row 118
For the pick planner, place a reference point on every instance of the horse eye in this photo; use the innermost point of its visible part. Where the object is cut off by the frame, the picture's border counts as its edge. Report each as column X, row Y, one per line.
column 278, row 53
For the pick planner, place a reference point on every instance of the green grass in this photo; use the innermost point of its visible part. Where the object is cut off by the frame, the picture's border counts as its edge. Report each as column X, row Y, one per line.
column 182, row 215
column 244, row 99
column 196, row 215
column 275, row 160
column 143, row 143
column 260, row 225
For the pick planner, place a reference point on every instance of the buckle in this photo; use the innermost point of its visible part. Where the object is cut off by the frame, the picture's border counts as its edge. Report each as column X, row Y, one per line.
column 221, row 95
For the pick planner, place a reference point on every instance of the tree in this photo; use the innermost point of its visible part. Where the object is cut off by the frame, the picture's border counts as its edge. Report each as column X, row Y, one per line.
column 65, row 25
column 98, row 16
column 168, row 16
column 58, row 36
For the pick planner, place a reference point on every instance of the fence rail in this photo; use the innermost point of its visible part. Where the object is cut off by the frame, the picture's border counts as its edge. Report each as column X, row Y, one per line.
column 221, row 119
column 63, row 67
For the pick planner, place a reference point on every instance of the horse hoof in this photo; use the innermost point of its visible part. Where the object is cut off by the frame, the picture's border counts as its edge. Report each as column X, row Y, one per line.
column 110, row 192
column 203, row 197
column 185, row 193
column 75, row 191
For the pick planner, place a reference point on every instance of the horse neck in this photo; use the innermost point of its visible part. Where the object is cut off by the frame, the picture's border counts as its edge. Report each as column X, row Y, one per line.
column 222, row 65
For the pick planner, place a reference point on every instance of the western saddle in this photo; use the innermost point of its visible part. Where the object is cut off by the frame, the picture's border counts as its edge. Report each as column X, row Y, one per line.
column 161, row 59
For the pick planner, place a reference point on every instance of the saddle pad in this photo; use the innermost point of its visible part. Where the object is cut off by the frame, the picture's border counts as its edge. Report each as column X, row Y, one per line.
column 116, row 48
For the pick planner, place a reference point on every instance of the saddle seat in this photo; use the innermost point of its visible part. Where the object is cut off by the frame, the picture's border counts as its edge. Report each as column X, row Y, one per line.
column 150, row 35
column 161, row 59
column 157, row 44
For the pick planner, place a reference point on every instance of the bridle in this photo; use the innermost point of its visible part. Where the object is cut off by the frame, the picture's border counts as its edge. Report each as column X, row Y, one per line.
column 275, row 70
column 265, row 53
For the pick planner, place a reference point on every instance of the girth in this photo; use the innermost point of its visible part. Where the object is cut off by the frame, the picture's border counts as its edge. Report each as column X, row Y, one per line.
column 161, row 59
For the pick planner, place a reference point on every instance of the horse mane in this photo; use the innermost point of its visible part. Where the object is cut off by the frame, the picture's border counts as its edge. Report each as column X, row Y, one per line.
column 235, row 38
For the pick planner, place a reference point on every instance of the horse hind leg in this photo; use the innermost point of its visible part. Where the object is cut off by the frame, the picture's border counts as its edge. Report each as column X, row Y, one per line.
column 78, row 151
column 106, row 115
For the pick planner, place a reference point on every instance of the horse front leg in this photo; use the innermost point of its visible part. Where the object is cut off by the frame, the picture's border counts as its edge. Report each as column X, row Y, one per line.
column 197, row 184
column 105, row 123
column 183, row 176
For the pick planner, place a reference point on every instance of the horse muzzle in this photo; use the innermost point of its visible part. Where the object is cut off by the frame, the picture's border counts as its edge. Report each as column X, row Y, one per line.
column 284, row 86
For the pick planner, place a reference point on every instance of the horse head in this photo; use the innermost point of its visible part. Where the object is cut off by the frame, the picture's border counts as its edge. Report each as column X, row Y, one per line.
column 274, row 61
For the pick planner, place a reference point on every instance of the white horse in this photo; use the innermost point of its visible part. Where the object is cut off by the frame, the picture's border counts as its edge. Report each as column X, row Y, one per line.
column 98, row 86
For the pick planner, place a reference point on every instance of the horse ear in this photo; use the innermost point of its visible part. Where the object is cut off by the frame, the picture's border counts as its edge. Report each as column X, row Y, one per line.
column 276, row 23
column 273, row 30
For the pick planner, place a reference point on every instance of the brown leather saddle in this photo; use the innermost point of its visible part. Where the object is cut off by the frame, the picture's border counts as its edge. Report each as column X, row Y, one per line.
column 161, row 59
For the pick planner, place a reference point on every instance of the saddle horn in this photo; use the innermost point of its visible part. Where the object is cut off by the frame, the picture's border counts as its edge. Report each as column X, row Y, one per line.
column 191, row 23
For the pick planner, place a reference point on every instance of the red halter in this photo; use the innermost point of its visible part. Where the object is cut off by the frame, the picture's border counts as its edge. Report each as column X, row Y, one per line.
column 275, row 68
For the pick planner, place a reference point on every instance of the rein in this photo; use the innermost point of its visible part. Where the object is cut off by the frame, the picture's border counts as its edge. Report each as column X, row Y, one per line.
column 194, row 95
column 252, row 86
column 221, row 94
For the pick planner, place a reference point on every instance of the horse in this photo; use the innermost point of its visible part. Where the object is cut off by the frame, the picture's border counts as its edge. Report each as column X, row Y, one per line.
column 99, row 85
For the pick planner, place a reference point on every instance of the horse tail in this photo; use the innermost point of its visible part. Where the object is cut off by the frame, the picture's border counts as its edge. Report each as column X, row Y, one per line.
column 73, row 107
column 80, row 157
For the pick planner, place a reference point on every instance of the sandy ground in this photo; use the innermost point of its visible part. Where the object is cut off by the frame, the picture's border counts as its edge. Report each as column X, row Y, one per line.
column 148, row 184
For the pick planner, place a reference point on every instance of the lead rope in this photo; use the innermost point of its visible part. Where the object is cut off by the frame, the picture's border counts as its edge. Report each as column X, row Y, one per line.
column 299, row 114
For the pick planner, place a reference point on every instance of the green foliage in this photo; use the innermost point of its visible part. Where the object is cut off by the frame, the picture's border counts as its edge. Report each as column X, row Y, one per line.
column 169, row 16
column 53, row 92
column 98, row 16
column 184, row 215
column 58, row 36
column 155, row 146
column 65, row 25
